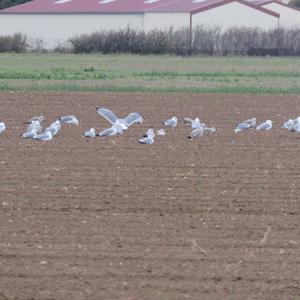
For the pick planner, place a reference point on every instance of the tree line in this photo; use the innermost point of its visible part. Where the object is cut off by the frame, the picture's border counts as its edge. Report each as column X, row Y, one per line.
column 201, row 41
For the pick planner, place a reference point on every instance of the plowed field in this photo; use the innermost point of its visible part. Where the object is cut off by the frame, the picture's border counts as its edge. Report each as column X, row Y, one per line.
column 106, row 218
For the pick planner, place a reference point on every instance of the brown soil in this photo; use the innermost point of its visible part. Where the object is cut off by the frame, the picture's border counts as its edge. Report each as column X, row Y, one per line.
column 107, row 218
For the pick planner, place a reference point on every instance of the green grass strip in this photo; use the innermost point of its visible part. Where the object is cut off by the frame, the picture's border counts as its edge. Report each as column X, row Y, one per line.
column 141, row 89
column 170, row 74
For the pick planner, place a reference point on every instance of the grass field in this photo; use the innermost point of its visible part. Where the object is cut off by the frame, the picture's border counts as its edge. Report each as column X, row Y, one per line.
column 213, row 218
column 134, row 73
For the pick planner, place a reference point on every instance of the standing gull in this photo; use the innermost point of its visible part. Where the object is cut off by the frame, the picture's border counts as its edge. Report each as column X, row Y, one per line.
column 90, row 133
column 54, row 127
column 292, row 124
column 70, row 119
column 34, row 126
column 40, row 119
column 196, row 124
column 296, row 127
column 29, row 134
column 46, row 136
column 113, row 130
column 197, row 132
column 146, row 140
column 289, row 125
column 150, row 133
column 160, row 132
column 187, row 121
column 265, row 126
column 171, row 122
column 33, row 129
column 250, row 123
column 209, row 129
column 2, row 127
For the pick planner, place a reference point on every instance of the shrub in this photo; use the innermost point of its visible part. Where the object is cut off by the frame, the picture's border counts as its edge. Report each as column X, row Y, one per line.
column 16, row 43
column 206, row 40
column 202, row 41
column 295, row 3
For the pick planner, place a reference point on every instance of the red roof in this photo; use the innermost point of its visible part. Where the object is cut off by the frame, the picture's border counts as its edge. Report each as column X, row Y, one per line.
column 124, row 6
column 196, row 7
column 85, row 6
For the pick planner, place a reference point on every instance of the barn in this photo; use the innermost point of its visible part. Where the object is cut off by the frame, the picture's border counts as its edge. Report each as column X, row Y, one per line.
column 289, row 16
column 225, row 14
column 55, row 21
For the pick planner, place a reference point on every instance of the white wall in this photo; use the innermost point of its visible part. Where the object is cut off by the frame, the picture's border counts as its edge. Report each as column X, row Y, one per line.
column 289, row 17
column 58, row 28
column 166, row 20
column 234, row 14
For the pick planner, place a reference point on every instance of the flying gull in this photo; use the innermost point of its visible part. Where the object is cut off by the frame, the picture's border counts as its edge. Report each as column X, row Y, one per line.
column 131, row 119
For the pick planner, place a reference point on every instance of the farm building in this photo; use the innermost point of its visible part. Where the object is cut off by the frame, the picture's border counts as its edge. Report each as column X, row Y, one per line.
column 289, row 16
column 226, row 14
column 55, row 21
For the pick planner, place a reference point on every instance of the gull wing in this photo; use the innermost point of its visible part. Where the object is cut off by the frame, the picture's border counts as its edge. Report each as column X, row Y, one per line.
column 251, row 122
column 210, row 129
column 168, row 122
column 2, row 126
column 146, row 140
column 34, row 125
column 242, row 126
column 187, row 121
column 264, row 126
column 196, row 124
column 46, row 136
column 70, row 119
column 133, row 118
column 296, row 127
column 36, row 118
column 107, row 114
column 108, row 131
column 197, row 132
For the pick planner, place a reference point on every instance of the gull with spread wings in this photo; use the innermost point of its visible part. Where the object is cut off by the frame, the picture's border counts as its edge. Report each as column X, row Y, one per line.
column 131, row 119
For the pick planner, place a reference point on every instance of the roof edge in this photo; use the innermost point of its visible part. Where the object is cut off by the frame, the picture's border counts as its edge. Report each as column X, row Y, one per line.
column 70, row 13
column 280, row 3
column 160, row 5
column 257, row 7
